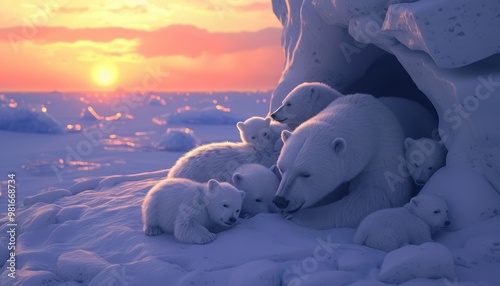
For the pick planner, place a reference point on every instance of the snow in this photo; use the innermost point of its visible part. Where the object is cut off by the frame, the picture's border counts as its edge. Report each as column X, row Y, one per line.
column 80, row 266
column 21, row 119
column 485, row 247
column 156, row 100
column 46, row 197
column 428, row 260
column 95, row 211
column 178, row 139
column 80, row 223
column 437, row 26
column 446, row 53
column 89, row 114
column 208, row 115
column 470, row 198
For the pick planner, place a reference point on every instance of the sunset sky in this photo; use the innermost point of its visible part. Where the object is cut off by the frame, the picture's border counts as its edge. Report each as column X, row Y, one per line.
column 87, row 45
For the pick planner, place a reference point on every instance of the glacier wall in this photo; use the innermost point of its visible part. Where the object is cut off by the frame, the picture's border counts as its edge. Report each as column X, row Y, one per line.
column 449, row 49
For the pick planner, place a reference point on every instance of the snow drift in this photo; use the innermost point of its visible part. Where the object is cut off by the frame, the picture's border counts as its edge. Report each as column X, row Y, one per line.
column 20, row 119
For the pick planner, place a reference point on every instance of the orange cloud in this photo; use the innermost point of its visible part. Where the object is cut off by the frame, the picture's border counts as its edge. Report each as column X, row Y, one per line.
column 255, row 6
column 185, row 40
column 140, row 9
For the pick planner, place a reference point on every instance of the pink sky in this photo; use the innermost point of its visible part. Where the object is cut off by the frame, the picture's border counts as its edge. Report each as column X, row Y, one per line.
column 202, row 47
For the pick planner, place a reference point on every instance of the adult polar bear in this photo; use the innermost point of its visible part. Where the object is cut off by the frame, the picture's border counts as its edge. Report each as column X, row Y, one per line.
column 309, row 98
column 355, row 140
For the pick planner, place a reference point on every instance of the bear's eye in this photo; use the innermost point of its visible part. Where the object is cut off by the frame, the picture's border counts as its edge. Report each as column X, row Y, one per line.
column 225, row 205
column 253, row 138
column 416, row 165
column 430, row 168
column 237, row 211
column 289, row 104
column 437, row 211
column 258, row 200
column 305, row 175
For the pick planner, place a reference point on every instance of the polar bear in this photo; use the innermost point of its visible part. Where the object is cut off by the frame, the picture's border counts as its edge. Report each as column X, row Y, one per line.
column 423, row 158
column 191, row 211
column 389, row 229
column 355, row 141
column 303, row 102
column 255, row 130
column 309, row 98
column 260, row 185
column 220, row 160
column 262, row 131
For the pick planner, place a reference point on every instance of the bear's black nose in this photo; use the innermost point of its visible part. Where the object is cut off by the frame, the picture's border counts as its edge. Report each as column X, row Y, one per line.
column 232, row 220
column 447, row 223
column 280, row 202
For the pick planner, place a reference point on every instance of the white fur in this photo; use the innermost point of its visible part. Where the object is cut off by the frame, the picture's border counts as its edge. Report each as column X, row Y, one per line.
column 414, row 223
column 220, row 160
column 303, row 102
column 260, row 185
column 191, row 211
column 309, row 98
column 261, row 132
column 255, row 130
column 423, row 158
column 355, row 140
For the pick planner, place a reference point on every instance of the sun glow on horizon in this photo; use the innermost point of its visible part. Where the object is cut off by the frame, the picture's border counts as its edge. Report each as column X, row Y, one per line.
column 104, row 74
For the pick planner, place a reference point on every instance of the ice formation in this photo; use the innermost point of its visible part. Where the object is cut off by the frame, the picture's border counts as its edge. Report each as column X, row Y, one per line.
column 449, row 49
column 429, row 260
column 178, row 139
column 21, row 119
column 208, row 115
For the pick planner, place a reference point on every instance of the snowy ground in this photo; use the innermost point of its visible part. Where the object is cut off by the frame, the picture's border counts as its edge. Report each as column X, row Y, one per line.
column 90, row 234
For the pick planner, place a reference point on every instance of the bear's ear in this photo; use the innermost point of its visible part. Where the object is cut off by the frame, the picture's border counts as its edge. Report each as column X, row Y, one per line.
column 276, row 171
column 285, row 134
column 268, row 121
column 237, row 180
column 243, row 194
column 415, row 201
column 409, row 142
column 313, row 93
column 339, row 145
column 213, row 185
column 240, row 125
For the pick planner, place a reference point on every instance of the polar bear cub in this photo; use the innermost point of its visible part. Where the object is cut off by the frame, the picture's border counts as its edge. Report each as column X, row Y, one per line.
column 423, row 158
column 310, row 98
column 260, row 184
column 303, row 102
column 414, row 223
column 262, row 131
column 220, row 160
column 191, row 211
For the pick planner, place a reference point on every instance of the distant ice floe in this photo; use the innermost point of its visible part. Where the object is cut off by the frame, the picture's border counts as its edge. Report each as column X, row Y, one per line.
column 20, row 119
column 155, row 100
column 89, row 114
column 178, row 139
column 213, row 115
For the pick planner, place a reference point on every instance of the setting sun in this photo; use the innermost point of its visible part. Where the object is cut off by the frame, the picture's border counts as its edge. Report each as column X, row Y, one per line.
column 104, row 74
